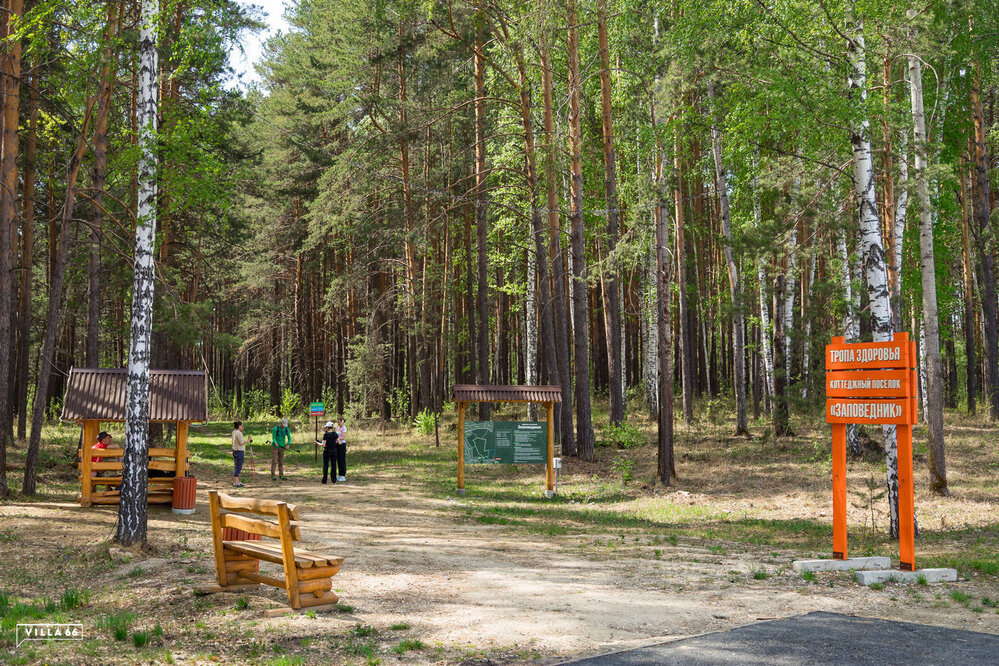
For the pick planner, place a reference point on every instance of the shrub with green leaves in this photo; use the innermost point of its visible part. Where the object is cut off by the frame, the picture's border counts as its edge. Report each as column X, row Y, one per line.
column 423, row 424
column 623, row 436
column 291, row 403
column 624, row 466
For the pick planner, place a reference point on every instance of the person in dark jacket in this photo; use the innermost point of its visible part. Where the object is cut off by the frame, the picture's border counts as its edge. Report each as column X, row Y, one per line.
column 329, row 451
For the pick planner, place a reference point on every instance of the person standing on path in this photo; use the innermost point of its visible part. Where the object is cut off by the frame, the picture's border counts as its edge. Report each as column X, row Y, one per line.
column 329, row 451
column 239, row 443
column 280, row 439
column 341, row 449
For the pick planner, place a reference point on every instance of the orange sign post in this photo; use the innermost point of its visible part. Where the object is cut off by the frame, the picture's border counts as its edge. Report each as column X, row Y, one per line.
column 873, row 383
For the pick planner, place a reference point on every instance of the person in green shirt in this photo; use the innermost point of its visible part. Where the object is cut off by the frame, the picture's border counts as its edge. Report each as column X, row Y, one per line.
column 280, row 439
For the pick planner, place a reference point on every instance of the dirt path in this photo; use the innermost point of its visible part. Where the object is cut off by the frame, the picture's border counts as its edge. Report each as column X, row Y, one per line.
column 464, row 587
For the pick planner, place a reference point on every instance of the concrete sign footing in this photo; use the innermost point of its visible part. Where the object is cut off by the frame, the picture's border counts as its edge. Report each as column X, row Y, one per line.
column 896, row 576
column 853, row 563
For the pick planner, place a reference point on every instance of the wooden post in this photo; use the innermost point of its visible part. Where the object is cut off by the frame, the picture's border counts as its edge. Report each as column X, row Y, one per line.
column 213, row 509
column 550, row 476
column 181, row 449
column 839, row 490
column 288, row 555
column 90, row 429
column 461, row 448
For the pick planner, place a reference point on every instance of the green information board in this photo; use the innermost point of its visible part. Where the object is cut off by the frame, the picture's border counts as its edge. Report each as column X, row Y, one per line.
column 511, row 442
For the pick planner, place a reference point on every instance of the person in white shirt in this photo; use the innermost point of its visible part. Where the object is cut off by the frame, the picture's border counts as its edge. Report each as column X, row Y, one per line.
column 341, row 449
column 239, row 443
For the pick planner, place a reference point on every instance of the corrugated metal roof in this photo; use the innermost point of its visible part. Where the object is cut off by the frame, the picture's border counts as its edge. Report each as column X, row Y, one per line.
column 99, row 393
column 488, row 393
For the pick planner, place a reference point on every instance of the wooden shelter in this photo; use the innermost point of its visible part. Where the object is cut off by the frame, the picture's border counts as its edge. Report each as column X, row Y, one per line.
column 97, row 395
column 544, row 395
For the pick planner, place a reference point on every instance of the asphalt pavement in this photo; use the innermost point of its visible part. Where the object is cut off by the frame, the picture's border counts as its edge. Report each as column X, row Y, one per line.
column 817, row 638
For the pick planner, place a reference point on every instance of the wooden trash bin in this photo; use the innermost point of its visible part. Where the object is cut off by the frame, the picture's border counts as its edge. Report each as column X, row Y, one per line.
column 184, row 489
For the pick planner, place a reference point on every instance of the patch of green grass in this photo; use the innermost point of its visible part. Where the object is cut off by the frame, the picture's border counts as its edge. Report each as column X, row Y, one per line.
column 877, row 586
column 409, row 644
column 344, row 608
column 363, row 630
column 921, row 579
column 285, row 661
column 808, row 576
column 978, row 609
column 760, row 575
column 367, row 650
column 117, row 624
column 960, row 597
column 140, row 638
column 136, row 572
column 13, row 612
column 73, row 598
column 400, row 626
column 242, row 603
column 990, row 602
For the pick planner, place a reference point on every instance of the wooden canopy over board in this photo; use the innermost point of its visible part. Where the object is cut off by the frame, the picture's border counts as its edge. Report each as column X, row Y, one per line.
column 501, row 393
column 99, row 394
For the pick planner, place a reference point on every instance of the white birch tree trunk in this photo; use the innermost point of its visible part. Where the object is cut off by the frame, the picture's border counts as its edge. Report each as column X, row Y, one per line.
column 806, row 348
column 650, row 341
column 765, row 332
column 132, row 507
column 871, row 248
column 901, row 208
column 929, row 334
column 851, row 328
column 735, row 288
column 790, row 287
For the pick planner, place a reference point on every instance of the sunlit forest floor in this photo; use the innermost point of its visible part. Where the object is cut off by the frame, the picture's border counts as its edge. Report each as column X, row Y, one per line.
column 501, row 575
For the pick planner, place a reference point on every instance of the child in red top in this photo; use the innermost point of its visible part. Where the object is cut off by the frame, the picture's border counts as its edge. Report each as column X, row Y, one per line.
column 103, row 442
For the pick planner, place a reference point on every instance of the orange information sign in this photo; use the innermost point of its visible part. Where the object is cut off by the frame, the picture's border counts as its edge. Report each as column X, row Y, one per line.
column 868, row 355
column 867, row 384
column 869, row 411
column 873, row 383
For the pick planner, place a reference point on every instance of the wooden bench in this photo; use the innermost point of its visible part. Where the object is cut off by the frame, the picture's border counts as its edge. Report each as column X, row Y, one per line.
column 307, row 575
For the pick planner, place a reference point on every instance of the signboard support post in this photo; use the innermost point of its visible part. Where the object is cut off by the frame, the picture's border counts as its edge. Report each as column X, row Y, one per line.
column 906, row 501
column 461, row 448
column 550, row 464
column 839, row 490
column 317, row 409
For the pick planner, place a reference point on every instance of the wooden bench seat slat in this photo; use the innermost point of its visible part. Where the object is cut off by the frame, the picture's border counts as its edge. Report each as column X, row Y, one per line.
column 271, row 552
column 116, row 480
column 118, row 453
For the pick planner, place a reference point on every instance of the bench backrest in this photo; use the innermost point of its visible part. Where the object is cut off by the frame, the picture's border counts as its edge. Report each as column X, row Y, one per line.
column 237, row 512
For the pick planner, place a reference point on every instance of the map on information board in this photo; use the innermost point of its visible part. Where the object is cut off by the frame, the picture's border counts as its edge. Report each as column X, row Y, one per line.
column 510, row 442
